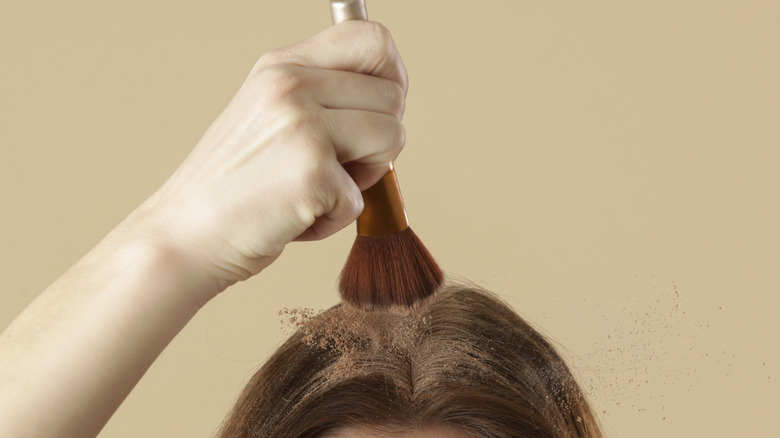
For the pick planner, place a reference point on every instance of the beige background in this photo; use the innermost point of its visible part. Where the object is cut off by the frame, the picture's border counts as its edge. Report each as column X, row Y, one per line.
column 610, row 168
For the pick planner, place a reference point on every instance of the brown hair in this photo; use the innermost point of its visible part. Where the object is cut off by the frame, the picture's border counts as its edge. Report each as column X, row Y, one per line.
column 462, row 358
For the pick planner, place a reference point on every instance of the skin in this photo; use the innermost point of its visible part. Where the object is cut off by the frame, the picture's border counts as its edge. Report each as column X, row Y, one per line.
column 313, row 125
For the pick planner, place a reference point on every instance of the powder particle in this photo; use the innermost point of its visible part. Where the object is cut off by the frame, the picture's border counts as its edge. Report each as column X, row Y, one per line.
column 646, row 344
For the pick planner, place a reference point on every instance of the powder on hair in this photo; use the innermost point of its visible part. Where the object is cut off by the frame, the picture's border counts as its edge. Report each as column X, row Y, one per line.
column 456, row 355
column 353, row 332
column 349, row 329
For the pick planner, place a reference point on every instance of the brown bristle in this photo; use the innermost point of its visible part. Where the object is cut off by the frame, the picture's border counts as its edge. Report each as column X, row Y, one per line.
column 386, row 270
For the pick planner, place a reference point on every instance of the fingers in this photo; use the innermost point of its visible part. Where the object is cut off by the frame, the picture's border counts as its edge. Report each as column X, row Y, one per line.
column 347, row 204
column 347, row 90
column 366, row 175
column 359, row 46
column 332, row 89
column 364, row 137
column 355, row 114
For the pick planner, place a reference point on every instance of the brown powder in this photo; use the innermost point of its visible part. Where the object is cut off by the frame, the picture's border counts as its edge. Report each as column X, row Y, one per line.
column 459, row 340
column 355, row 332
column 349, row 329
column 646, row 344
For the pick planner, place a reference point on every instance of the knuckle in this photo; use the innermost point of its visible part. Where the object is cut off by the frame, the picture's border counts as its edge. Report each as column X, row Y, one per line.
column 311, row 194
column 319, row 193
column 404, row 79
column 379, row 37
column 310, row 172
column 281, row 82
column 401, row 138
column 397, row 99
column 294, row 124
column 269, row 58
column 354, row 205
column 305, row 213
column 312, row 153
column 397, row 138
column 385, row 53
column 264, row 61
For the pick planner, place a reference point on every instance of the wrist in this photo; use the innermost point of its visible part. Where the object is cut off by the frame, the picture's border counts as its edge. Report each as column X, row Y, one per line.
column 199, row 239
column 84, row 342
column 184, row 275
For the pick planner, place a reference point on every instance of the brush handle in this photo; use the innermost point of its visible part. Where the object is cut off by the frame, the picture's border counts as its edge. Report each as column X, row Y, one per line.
column 343, row 10
column 383, row 207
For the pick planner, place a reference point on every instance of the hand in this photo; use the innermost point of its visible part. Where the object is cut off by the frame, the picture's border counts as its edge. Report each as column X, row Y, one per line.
column 312, row 126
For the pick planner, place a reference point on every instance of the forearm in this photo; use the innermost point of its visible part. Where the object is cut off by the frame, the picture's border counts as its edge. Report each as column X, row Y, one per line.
column 68, row 361
column 268, row 171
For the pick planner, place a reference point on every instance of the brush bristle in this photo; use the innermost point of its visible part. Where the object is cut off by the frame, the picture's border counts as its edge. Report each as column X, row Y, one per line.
column 392, row 269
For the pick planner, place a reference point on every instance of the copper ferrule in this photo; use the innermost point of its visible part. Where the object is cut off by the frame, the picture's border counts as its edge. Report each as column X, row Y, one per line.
column 383, row 208
column 344, row 10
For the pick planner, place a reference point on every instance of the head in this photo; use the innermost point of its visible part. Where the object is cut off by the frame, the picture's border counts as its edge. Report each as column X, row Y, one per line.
column 459, row 364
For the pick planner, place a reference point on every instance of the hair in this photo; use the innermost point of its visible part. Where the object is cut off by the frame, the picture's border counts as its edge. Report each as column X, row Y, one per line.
column 461, row 359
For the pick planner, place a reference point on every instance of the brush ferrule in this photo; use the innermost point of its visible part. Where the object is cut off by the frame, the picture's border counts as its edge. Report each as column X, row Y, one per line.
column 344, row 10
column 383, row 211
column 383, row 208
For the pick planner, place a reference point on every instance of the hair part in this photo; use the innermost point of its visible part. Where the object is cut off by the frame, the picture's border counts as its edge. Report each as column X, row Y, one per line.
column 462, row 358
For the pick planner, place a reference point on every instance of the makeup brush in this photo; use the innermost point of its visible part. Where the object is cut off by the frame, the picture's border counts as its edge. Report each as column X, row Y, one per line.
column 388, row 264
